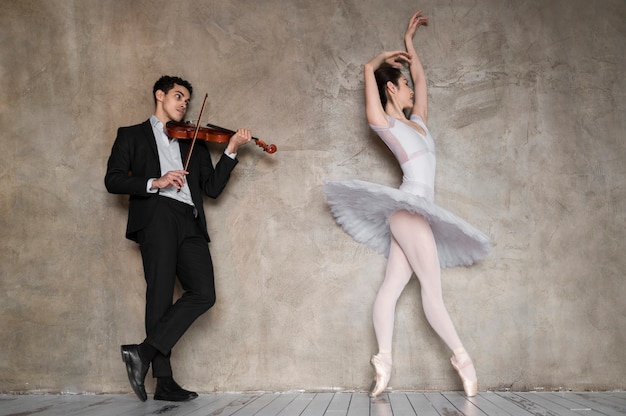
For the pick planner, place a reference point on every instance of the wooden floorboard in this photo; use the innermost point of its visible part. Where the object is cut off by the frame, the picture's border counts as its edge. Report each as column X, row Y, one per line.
column 400, row 404
column 359, row 405
column 595, row 402
column 617, row 398
column 526, row 404
column 325, row 404
column 297, row 405
column 318, row 405
column 421, row 405
column 484, row 402
column 559, row 407
column 464, row 406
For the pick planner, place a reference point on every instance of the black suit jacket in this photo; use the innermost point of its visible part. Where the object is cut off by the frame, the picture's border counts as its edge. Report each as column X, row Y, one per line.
column 134, row 159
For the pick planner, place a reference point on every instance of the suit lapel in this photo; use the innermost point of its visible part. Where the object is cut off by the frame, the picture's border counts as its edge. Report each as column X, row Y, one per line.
column 150, row 139
column 184, row 146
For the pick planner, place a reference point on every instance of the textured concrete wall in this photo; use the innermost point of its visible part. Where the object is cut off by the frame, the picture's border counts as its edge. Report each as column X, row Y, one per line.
column 527, row 106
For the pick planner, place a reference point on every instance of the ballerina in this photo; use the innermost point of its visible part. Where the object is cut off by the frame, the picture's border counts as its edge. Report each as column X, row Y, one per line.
column 405, row 224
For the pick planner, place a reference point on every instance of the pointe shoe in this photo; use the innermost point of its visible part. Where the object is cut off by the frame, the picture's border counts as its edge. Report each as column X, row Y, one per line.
column 382, row 376
column 469, row 386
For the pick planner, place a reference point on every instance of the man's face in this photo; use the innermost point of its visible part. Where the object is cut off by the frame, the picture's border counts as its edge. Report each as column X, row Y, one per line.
column 173, row 105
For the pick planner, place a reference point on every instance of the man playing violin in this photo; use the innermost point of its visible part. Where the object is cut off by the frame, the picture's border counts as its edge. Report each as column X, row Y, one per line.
column 166, row 217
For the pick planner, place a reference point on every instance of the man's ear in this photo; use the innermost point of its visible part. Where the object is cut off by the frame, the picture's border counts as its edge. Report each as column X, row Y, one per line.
column 159, row 94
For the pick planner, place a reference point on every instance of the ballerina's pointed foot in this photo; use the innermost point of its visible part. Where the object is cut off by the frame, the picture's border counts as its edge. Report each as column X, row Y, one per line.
column 469, row 386
column 383, row 373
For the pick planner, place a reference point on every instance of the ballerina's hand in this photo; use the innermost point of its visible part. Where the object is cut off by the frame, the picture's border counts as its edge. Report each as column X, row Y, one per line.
column 416, row 21
column 396, row 58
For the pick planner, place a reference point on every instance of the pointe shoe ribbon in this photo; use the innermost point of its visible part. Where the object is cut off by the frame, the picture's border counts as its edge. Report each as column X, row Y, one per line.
column 469, row 386
column 382, row 376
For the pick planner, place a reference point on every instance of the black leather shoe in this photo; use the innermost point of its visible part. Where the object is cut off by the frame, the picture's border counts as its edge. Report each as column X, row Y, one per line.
column 172, row 392
column 136, row 370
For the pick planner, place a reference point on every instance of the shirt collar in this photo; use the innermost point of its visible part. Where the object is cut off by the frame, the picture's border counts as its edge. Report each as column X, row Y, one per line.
column 155, row 122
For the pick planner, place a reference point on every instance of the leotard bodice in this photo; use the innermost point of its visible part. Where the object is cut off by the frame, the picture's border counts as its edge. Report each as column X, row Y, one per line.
column 415, row 153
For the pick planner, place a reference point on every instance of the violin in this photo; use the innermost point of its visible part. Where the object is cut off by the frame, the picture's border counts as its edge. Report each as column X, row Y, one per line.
column 215, row 133
column 210, row 133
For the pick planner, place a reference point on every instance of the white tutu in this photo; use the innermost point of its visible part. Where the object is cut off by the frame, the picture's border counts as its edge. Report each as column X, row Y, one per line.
column 363, row 209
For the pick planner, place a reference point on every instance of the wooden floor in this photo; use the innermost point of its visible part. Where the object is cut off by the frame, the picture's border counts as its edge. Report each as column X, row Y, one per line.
column 324, row 404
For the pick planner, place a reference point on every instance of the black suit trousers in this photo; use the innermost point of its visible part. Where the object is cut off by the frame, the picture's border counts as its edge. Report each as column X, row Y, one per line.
column 173, row 245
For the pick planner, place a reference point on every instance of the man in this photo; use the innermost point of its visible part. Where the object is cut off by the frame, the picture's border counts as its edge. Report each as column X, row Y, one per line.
column 166, row 217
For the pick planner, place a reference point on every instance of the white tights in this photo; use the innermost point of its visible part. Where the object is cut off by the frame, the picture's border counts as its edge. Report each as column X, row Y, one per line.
column 413, row 250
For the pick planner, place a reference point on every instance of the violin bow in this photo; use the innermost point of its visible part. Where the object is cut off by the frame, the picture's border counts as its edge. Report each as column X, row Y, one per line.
column 195, row 134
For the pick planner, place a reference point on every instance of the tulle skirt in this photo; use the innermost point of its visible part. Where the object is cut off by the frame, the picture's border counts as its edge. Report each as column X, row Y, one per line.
column 363, row 209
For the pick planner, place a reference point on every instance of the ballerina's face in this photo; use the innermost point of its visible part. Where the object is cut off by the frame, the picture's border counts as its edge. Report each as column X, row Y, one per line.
column 405, row 94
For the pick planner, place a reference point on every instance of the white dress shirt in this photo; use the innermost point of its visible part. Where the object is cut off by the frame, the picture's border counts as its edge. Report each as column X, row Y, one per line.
column 170, row 159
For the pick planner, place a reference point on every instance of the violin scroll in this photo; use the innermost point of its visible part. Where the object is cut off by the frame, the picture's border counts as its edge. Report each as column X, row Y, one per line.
column 269, row 148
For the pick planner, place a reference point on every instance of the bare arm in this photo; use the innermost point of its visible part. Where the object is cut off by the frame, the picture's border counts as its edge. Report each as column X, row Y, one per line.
column 420, row 106
column 373, row 107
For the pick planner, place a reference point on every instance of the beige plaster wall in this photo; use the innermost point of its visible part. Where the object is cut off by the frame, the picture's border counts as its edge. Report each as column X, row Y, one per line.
column 527, row 105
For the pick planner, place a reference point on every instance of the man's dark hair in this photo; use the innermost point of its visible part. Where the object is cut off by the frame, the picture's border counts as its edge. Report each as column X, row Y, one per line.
column 166, row 83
